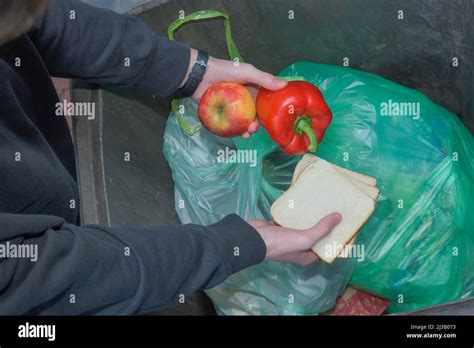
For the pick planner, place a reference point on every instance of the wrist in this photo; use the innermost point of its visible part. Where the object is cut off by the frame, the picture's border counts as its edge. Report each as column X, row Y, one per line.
column 261, row 227
column 196, row 75
column 192, row 61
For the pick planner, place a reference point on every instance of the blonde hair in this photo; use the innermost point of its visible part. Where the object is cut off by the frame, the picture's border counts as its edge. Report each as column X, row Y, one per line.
column 18, row 16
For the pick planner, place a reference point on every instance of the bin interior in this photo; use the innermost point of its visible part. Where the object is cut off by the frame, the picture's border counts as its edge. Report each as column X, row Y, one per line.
column 418, row 51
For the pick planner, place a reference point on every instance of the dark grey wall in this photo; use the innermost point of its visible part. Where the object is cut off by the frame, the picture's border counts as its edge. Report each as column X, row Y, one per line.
column 416, row 51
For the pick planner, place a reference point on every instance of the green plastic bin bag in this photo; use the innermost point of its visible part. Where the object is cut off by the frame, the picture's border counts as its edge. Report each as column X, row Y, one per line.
column 418, row 245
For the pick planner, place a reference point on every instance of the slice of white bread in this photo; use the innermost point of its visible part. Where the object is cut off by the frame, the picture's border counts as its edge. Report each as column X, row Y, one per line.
column 319, row 190
column 345, row 253
column 363, row 182
column 309, row 158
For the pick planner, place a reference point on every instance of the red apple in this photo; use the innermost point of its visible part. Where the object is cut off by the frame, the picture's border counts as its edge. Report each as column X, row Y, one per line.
column 227, row 109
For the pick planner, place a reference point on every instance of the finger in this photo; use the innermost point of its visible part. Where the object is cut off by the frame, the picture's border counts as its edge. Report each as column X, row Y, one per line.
column 302, row 258
column 307, row 257
column 245, row 135
column 253, row 89
column 312, row 235
column 253, row 127
column 264, row 79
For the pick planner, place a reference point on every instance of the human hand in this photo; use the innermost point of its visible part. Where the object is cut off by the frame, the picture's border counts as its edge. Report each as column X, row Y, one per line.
column 294, row 246
column 227, row 71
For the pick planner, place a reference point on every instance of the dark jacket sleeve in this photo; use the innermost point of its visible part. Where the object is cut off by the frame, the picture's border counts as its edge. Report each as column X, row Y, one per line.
column 77, row 40
column 99, row 270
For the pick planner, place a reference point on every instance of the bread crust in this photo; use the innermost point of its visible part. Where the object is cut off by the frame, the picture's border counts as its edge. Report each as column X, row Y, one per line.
column 304, row 163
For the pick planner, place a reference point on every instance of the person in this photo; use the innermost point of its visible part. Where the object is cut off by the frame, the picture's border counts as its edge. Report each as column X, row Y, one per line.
column 93, row 269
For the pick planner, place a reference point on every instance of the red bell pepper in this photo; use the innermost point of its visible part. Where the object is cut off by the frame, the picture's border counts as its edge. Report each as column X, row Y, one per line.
column 295, row 117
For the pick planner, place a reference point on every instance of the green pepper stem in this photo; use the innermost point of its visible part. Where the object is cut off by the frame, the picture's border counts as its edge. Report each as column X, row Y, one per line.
column 303, row 125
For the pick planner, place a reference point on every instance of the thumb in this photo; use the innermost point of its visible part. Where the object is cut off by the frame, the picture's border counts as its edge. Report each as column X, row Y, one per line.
column 320, row 230
column 273, row 83
column 265, row 79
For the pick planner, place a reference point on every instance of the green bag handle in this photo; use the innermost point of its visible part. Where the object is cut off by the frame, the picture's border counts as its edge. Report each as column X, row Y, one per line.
column 234, row 53
column 232, row 50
